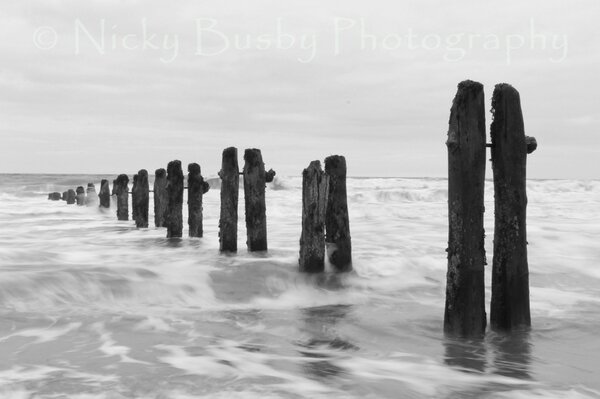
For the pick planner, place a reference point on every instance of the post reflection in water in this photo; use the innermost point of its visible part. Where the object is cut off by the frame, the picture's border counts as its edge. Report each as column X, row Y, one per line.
column 468, row 354
column 324, row 342
column 512, row 354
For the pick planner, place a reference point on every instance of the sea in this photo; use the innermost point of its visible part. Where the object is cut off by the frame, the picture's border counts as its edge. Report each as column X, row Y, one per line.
column 92, row 307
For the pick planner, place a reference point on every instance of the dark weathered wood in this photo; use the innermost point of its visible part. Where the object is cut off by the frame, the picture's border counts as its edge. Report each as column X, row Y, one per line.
column 134, row 201
column 55, row 196
column 465, row 300
column 71, row 196
column 91, row 198
column 197, row 187
column 64, row 195
column 230, row 181
column 174, row 216
column 314, row 205
column 161, row 199
column 254, row 196
column 121, row 189
column 80, row 191
column 510, row 271
column 104, row 194
column 140, row 195
column 337, row 223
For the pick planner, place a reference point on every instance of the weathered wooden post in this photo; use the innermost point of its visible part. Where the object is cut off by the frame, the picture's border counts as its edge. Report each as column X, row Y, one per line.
column 337, row 224
column 254, row 196
column 64, row 195
column 134, row 200
column 197, row 187
column 314, row 205
column 71, row 195
column 174, row 216
column 230, row 181
column 104, row 194
column 161, row 198
column 510, row 271
column 80, row 195
column 121, row 189
column 55, row 196
column 140, row 196
column 91, row 197
column 465, row 305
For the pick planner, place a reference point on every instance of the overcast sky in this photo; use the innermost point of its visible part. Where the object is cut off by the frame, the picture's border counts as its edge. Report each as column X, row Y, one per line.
column 109, row 86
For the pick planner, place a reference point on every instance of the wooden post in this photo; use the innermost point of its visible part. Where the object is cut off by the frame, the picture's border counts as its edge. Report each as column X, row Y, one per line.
column 510, row 271
column 315, row 185
column 230, row 181
column 91, row 197
column 161, row 198
column 337, row 224
column 55, row 196
column 465, row 301
column 134, row 200
column 104, row 194
column 254, row 196
column 121, row 189
column 141, row 198
column 80, row 195
column 174, row 216
column 64, row 195
column 71, row 195
column 196, row 188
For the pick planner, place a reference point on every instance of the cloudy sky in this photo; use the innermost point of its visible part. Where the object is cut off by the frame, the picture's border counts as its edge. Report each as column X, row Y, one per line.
column 107, row 86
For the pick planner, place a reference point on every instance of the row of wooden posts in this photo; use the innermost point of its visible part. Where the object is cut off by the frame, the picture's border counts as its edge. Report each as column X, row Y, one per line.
column 325, row 221
column 325, row 224
column 465, row 314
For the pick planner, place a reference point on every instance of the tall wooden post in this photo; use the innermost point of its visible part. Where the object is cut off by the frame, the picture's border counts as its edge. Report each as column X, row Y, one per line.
column 121, row 189
column 465, row 302
column 197, row 187
column 80, row 195
column 174, row 216
column 254, row 196
column 161, row 199
column 230, row 181
column 510, row 271
column 134, row 199
column 141, row 199
column 314, row 204
column 104, row 194
column 337, row 223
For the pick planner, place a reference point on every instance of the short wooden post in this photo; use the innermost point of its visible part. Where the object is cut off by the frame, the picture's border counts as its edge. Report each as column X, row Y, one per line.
column 510, row 271
column 80, row 191
column 314, row 205
column 337, row 224
column 71, row 196
column 134, row 200
column 197, row 187
column 254, row 196
column 91, row 198
column 55, row 196
column 140, row 196
column 465, row 302
column 174, row 216
column 64, row 195
column 230, row 181
column 104, row 194
column 121, row 189
column 161, row 198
